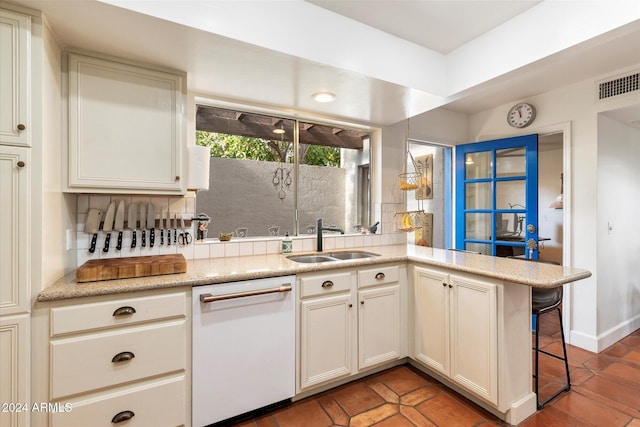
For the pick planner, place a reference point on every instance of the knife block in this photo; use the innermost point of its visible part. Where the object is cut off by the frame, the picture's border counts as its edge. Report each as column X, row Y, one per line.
column 122, row 268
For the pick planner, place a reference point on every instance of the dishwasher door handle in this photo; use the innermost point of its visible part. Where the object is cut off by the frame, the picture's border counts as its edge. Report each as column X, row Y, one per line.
column 213, row 298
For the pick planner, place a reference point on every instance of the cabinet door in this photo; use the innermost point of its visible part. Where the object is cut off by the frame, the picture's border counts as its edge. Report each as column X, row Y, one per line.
column 14, row 229
column 378, row 325
column 431, row 290
column 326, row 339
column 474, row 345
column 125, row 127
column 15, row 41
column 14, row 370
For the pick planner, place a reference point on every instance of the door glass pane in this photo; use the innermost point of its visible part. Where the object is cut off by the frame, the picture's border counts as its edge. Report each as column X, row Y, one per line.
column 510, row 195
column 509, row 226
column 478, row 165
column 479, row 247
column 478, row 226
column 510, row 162
column 478, row 195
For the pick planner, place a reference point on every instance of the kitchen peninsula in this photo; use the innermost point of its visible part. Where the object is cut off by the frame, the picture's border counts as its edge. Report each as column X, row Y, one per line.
column 462, row 318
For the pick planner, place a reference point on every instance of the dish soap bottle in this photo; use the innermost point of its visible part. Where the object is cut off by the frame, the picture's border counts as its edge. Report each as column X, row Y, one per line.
column 287, row 244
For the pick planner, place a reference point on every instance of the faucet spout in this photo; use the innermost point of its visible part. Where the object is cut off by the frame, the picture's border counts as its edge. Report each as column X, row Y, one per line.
column 319, row 229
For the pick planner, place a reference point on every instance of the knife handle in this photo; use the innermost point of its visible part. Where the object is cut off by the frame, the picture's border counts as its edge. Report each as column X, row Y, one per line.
column 175, row 235
column 161, row 237
column 152, row 237
column 106, row 243
column 94, row 239
column 144, row 238
column 133, row 239
column 119, row 243
column 168, row 237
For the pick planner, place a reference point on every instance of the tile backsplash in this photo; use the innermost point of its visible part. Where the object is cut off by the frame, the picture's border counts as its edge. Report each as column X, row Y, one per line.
column 184, row 207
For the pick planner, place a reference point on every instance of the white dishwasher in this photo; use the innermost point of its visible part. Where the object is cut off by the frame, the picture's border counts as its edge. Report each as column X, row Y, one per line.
column 243, row 347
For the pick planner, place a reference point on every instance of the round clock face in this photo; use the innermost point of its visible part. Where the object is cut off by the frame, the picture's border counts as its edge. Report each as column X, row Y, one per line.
column 521, row 115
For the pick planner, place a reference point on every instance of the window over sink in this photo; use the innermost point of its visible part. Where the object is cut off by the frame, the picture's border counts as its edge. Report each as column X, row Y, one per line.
column 273, row 175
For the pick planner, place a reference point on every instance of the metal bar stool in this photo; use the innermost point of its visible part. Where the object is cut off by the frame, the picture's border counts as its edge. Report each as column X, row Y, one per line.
column 545, row 301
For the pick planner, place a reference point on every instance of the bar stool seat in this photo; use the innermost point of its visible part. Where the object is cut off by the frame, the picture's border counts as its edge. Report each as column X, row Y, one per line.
column 546, row 300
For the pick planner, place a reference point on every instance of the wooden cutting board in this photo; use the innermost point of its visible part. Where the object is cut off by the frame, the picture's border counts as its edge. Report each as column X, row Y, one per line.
column 122, row 268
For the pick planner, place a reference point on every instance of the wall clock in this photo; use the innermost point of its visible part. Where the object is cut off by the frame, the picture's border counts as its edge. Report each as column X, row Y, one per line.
column 521, row 115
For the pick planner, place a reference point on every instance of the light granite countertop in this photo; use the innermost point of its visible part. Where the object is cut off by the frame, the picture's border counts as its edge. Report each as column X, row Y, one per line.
column 221, row 270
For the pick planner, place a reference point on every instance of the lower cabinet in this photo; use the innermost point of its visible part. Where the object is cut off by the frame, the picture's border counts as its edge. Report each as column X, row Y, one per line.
column 456, row 329
column 14, row 370
column 125, row 362
column 344, row 329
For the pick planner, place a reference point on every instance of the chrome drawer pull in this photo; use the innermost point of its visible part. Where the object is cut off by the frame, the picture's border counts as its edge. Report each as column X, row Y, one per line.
column 123, row 357
column 212, row 298
column 124, row 311
column 122, row 416
column 327, row 284
column 380, row 276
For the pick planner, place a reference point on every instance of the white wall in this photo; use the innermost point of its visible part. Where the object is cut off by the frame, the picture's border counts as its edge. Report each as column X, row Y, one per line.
column 618, row 231
column 576, row 104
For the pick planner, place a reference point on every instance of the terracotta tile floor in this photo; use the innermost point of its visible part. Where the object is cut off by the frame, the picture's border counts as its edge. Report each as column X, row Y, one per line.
column 605, row 391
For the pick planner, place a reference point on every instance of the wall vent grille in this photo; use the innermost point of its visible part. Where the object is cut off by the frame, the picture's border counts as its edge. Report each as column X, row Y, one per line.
column 619, row 86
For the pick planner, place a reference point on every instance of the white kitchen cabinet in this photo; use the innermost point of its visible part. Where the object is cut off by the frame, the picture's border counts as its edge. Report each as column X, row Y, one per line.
column 127, row 359
column 345, row 330
column 15, row 78
column 326, row 328
column 456, row 329
column 378, row 316
column 14, row 370
column 14, row 284
column 126, row 129
column 14, row 229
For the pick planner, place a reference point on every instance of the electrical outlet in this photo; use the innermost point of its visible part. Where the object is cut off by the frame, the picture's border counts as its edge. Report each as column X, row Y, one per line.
column 70, row 239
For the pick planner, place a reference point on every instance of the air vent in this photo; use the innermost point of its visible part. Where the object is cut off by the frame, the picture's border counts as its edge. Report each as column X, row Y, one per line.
column 619, row 86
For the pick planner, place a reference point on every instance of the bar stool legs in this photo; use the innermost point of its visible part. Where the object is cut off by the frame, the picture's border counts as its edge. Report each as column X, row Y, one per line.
column 537, row 349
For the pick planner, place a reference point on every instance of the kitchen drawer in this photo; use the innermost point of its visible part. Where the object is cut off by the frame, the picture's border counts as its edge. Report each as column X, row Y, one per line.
column 80, row 364
column 160, row 403
column 324, row 284
column 125, row 311
column 377, row 276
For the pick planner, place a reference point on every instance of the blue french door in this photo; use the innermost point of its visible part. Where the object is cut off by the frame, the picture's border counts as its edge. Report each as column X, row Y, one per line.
column 497, row 197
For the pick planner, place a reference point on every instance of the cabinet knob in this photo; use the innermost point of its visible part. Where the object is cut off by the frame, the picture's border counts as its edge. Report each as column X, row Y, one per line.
column 21, row 126
column 123, row 357
column 177, row 177
column 362, row 302
column 380, row 276
column 350, row 305
column 444, row 284
column 450, row 286
column 122, row 416
column 124, row 311
column 21, row 164
column 327, row 284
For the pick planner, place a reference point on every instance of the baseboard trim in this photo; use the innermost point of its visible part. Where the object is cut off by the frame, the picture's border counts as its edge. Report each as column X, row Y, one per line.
column 601, row 342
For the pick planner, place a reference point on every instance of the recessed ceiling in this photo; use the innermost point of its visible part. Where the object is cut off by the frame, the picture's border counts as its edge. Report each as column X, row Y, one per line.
column 275, row 54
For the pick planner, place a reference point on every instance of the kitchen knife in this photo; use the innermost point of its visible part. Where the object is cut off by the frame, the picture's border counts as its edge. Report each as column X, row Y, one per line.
column 91, row 226
column 175, row 229
column 119, row 224
column 143, row 224
column 108, row 225
column 161, row 227
column 168, row 228
column 132, row 221
column 151, row 223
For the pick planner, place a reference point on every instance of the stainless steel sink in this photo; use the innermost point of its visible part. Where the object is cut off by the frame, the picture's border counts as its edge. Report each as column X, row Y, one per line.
column 332, row 256
column 353, row 255
column 311, row 258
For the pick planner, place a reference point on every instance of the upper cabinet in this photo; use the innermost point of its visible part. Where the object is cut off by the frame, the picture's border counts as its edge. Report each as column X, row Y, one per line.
column 126, row 127
column 15, row 45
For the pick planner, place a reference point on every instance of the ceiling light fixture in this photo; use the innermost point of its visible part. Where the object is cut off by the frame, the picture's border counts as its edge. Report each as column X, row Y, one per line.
column 279, row 131
column 324, row 96
column 558, row 203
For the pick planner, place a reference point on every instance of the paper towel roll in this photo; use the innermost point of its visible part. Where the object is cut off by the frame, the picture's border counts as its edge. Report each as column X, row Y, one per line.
column 199, row 159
